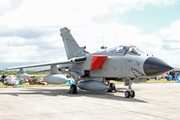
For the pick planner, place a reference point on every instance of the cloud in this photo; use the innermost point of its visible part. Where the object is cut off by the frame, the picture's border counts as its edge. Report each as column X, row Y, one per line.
column 116, row 8
column 24, row 33
column 17, row 49
column 29, row 30
column 9, row 5
column 167, row 47
column 55, row 12
column 171, row 34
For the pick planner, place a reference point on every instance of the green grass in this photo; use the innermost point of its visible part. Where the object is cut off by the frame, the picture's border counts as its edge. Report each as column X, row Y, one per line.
column 161, row 81
column 149, row 81
column 27, row 85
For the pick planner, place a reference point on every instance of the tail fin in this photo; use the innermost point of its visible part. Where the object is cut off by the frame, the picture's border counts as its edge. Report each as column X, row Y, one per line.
column 71, row 46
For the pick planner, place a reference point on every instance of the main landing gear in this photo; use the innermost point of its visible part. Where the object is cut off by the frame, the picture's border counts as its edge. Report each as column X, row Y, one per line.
column 112, row 88
column 73, row 89
column 129, row 93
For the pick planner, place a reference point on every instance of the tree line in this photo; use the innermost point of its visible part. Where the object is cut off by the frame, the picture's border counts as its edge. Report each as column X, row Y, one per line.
column 16, row 72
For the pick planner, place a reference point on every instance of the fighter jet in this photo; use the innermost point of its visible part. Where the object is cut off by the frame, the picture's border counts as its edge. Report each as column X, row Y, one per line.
column 93, row 71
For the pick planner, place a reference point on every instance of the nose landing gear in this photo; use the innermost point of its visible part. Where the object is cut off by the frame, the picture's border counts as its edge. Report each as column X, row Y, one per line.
column 129, row 93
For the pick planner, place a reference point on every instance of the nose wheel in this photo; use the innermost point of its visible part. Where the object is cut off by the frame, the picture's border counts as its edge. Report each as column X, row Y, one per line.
column 130, row 94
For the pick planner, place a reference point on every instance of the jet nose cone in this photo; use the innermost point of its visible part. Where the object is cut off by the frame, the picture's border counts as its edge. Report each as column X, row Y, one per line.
column 155, row 66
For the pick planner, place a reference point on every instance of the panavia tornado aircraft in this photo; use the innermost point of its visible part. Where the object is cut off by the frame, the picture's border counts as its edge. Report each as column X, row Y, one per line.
column 93, row 71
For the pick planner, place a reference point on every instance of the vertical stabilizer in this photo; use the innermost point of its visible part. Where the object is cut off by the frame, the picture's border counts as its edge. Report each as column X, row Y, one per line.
column 71, row 46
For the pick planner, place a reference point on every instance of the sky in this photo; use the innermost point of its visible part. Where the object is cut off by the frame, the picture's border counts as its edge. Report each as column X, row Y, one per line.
column 29, row 29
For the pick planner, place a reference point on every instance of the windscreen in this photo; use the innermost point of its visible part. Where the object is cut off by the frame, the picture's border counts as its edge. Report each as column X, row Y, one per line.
column 134, row 51
column 121, row 49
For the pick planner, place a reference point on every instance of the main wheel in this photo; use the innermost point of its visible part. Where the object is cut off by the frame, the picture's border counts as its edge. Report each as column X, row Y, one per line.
column 111, row 87
column 132, row 94
column 73, row 89
column 127, row 94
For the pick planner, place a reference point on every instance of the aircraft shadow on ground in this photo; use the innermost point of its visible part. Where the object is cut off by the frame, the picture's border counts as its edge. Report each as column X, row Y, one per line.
column 81, row 93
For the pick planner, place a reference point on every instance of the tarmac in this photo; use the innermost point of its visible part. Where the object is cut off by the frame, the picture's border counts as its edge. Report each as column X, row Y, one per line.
column 158, row 101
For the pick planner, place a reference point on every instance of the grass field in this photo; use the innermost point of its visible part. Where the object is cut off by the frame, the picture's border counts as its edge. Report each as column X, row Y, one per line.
column 50, row 85
column 27, row 85
column 150, row 81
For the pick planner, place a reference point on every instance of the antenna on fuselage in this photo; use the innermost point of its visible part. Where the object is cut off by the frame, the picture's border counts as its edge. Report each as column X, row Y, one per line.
column 103, row 47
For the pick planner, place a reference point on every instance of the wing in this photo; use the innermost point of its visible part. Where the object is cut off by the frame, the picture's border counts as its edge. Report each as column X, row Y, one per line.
column 74, row 60
column 38, row 65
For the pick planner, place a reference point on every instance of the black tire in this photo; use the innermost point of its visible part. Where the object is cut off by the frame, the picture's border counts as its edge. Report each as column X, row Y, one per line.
column 127, row 94
column 110, row 88
column 73, row 89
column 113, row 86
column 132, row 94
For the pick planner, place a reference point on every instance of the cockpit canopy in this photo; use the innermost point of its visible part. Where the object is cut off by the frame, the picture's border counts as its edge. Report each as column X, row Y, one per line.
column 132, row 50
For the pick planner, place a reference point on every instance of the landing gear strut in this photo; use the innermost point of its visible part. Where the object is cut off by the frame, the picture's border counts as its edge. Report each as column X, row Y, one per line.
column 129, row 93
column 112, row 87
column 73, row 89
